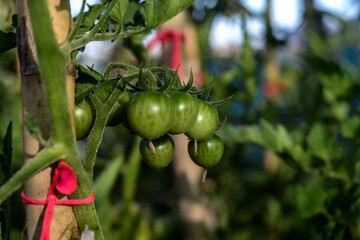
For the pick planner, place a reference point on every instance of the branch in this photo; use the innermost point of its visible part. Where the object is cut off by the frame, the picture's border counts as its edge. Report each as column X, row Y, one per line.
column 81, row 42
column 95, row 136
column 43, row 159
column 78, row 22
column 112, row 66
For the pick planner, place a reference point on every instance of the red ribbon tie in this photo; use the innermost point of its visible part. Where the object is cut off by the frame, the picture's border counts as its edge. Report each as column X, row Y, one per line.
column 64, row 181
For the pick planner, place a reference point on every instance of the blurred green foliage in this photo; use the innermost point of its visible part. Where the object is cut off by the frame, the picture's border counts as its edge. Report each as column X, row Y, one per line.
column 291, row 164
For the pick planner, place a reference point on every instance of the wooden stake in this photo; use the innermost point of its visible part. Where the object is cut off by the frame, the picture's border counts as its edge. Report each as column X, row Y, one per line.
column 64, row 224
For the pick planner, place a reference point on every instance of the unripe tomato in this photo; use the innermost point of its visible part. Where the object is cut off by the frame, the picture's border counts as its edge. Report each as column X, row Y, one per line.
column 84, row 118
column 209, row 152
column 206, row 122
column 164, row 147
column 186, row 111
column 150, row 114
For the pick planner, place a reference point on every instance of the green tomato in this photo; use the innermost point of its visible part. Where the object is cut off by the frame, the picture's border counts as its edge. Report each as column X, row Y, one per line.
column 186, row 111
column 164, row 147
column 206, row 122
column 84, row 118
column 150, row 114
column 209, row 152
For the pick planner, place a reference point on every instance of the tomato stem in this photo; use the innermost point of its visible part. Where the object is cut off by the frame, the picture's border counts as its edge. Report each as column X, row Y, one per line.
column 151, row 145
column 195, row 147
column 204, row 175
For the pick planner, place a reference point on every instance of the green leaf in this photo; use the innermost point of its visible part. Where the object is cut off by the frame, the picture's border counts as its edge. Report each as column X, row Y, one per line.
column 129, row 17
column 269, row 135
column 7, row 41
column 350, row 128
column 106, row 180
column 249, row 134
column 309, row 200
column 322, row 143
column 283, row 137
column 156, row 12
column 90, row 17
column 299, row 155
column 118, row 11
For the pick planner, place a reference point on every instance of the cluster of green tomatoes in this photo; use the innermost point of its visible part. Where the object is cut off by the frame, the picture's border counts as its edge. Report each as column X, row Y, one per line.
column 156, row 113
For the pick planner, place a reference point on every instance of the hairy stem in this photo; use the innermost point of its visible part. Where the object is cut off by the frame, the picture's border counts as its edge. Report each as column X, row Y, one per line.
column 53, row 72
column 81, row 42
column 112, row 66
column 78, row 22
column 95, row 136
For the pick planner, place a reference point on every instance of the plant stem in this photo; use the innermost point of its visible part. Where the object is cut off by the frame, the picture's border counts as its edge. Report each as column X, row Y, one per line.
column 43, row 159
column 53, row 72
column 78, row 22
column 95, row 136
column 112, row 66
column 81, row 42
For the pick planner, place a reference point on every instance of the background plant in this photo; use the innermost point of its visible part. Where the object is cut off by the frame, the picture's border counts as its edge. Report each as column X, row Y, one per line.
column 290, row 164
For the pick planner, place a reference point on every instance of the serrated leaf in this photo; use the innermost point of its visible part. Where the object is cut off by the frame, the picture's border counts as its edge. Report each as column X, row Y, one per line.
column 309, row 199
column 118, row 11
column 7, row 41
column 156, row 12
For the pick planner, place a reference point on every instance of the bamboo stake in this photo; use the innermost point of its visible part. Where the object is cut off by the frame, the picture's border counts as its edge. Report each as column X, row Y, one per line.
column 64, row 225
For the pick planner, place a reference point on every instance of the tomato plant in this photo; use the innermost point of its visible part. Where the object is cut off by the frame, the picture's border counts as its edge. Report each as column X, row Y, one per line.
column 103, row 98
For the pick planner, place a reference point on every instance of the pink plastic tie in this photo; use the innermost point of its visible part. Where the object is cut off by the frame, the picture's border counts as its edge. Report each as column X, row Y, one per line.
column 64, row 181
